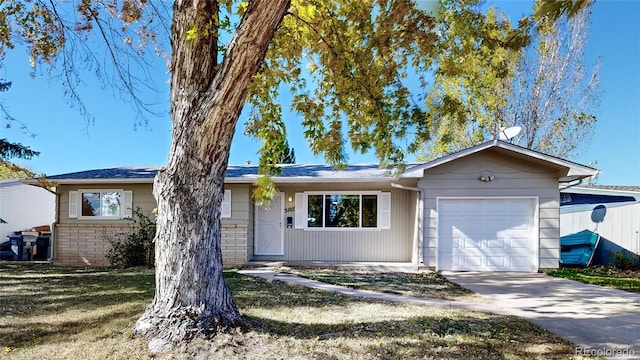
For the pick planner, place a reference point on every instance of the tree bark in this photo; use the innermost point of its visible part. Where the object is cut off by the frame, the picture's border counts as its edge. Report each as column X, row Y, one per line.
column 206, row 100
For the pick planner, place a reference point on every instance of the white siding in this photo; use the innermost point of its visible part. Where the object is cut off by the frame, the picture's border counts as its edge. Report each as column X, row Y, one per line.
column 621, row 225
column 23, row 207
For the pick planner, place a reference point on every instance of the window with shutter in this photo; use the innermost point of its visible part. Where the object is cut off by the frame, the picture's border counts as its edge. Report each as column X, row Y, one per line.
column 348, row 210
column 73, row 204
column 100, row 204
column 226, row 205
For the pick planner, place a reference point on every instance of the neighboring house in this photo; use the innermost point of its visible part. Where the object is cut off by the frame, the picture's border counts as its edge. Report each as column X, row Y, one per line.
column 23, row 207
column 619, row 230
column 494, row 206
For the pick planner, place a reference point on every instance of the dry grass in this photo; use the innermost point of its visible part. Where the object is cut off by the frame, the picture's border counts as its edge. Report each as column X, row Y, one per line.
column 426, row 284
column 54, row 313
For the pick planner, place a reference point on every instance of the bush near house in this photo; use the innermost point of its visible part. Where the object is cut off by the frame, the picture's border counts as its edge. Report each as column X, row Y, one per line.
column 134, row 248
column 626, row 261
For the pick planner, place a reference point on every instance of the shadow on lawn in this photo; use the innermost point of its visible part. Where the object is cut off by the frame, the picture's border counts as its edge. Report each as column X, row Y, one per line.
column 422, row 337
column 436, row 326
column 45, row 304
column 249, row 291
column 41, row 293
column 25, row 334
column 59, row 305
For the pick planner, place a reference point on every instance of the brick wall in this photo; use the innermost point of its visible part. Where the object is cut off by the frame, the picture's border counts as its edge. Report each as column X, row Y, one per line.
column 86, row 244
column 234, row 244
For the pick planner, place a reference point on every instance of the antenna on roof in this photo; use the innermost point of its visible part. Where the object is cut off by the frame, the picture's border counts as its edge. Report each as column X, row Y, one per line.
column 506, row 134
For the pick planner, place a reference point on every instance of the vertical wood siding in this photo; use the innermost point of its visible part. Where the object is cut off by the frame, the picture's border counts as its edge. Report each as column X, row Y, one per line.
column 512, row 178
column 621, row 225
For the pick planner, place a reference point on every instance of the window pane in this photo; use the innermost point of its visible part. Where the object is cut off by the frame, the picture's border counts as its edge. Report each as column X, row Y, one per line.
column 314, row 211
column 110, row 204
column 342, row 210
column 90, row 204
column 370, row 211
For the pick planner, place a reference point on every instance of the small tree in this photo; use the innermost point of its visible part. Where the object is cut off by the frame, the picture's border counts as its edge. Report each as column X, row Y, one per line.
column 8, row 150
column 288, row 155
column 486, row 79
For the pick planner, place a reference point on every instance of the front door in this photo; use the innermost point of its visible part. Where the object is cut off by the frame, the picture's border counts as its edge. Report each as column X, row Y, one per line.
column 269, row 232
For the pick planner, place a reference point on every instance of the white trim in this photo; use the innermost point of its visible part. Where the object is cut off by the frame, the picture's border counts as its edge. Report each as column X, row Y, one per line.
column 535, row 230
column 91, row 181
column 598, row 191
column 300, row 211
column 73, row 204
column 574, row 171
column 126, row 210
column 229, row 180
column 383, row 221
column 309, row 179
column 79, row 204
column 378, row 227
column 281, row 211
column 346, row 192
column 225, row 206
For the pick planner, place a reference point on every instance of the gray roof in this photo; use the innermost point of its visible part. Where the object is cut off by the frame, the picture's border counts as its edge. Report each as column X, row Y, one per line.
column 111, row 173
column 613, row 187
column 296, row 173
column 236, row 173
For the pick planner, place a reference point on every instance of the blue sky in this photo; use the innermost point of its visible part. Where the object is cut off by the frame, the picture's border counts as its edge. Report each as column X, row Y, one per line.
column 68, row 143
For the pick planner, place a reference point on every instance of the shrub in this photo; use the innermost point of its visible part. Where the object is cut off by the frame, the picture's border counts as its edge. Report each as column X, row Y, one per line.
column 625, row 261
column 136, row 247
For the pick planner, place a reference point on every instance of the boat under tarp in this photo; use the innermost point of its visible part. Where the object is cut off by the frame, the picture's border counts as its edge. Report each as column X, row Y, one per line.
column 578, row 249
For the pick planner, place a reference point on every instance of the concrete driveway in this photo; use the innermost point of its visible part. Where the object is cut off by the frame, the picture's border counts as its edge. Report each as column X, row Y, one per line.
column 599, row 320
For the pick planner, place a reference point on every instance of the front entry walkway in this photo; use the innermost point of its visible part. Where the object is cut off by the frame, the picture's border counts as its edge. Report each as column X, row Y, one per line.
column 595, row 318
column 270, row 274
column 598, row 320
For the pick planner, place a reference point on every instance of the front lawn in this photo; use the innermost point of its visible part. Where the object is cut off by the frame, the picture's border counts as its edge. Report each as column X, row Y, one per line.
column 425, row 284
column 54, row 313
column 627, row 280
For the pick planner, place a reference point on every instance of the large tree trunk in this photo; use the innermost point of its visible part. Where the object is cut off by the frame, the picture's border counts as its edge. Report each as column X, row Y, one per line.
column 206, row 99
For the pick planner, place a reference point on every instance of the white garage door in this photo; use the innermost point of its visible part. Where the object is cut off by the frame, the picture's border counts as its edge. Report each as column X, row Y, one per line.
column 487, row 235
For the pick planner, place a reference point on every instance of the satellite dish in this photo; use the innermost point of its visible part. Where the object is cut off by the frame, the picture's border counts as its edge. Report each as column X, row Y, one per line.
column 509, row 133
column 598, row 213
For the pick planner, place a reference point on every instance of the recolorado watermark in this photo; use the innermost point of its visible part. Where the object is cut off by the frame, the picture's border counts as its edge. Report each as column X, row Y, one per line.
column 607, row 352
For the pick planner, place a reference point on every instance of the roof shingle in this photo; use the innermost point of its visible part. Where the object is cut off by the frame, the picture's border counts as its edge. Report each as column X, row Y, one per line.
column 239, row 172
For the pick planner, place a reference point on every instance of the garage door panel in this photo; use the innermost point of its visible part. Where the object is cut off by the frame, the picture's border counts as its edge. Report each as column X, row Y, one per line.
column 470, row 244
column 496, row 261
column 487, row 234
column 520, row 243
column 472, row 261
column 520, row 262
column 496, row 243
